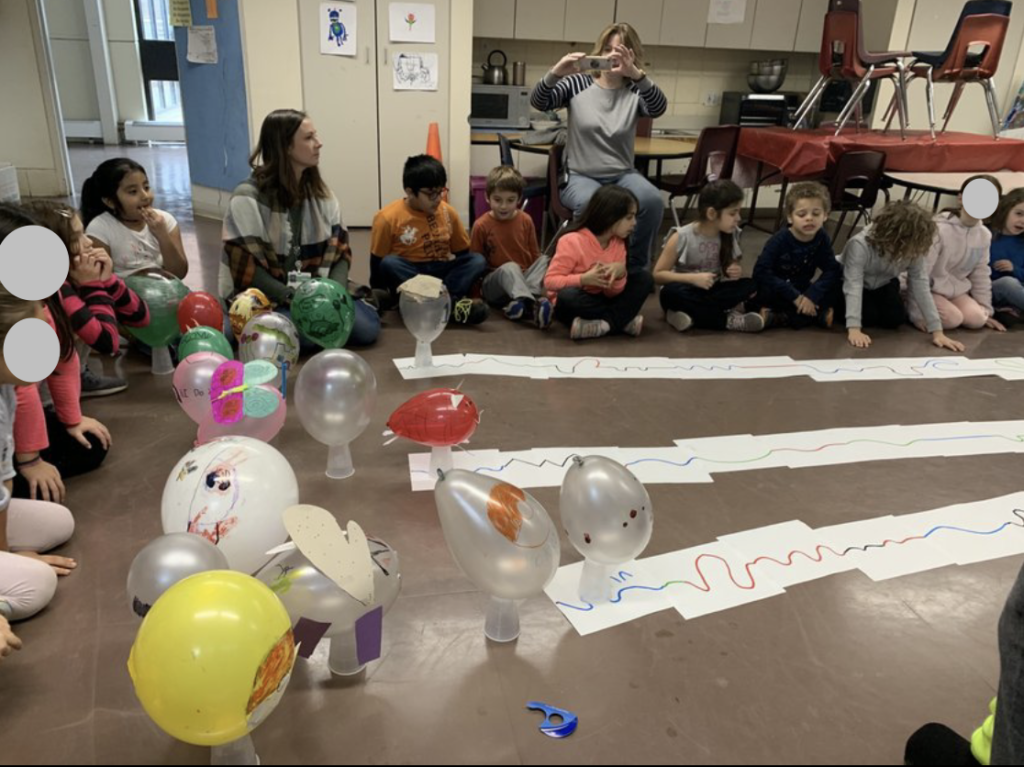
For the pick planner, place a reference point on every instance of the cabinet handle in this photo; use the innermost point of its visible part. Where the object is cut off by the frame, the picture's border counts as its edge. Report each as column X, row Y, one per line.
column 367, row 54
column 385, row 57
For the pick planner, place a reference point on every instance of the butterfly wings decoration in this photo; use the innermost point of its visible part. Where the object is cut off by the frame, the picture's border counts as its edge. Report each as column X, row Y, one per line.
column 236, row 391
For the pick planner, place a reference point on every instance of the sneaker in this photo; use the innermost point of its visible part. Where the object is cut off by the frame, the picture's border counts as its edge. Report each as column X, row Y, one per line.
column 1008, row 315
column 679, row 320
column 543, row 314
column 750, row 322
column 826, row 318
column 101, row 386
column 938, row 744
column 470, row 311
column 383, row 300
column 774, row 319
column 515, row 310
column 582, row 329
column 634, row 326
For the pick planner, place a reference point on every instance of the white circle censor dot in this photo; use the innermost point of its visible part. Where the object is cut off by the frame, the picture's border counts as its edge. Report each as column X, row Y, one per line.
column 31, row 350
column 33, row 263
column 981, row 198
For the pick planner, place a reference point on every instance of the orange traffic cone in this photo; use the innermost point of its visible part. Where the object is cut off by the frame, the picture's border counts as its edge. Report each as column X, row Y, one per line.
column 434, row 147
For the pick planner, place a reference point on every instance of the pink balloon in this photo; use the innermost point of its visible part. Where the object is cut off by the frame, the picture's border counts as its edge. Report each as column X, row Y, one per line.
column 263, row 429
column 192, row 383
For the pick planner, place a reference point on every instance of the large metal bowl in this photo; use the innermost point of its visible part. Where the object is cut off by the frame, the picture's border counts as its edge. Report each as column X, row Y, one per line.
column 766, row 83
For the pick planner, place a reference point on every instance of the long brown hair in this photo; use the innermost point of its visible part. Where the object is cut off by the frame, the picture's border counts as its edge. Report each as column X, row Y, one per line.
column 271, row 167
column 609, row 205
column 14, row 309
column 720, row 195
column 629, row 36
column 1007, row 203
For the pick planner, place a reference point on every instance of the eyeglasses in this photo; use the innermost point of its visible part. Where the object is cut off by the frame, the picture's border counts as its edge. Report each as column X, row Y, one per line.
column 434, row 194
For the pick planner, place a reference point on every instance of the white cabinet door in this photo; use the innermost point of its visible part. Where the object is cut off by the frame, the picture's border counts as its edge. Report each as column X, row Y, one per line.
column 340, row 94
column 684, row 23
column 586, row 19
column 775, row 25
column 735, row 36
column 404, row 116
column 644, row 16
column 540, row 19
column 812, row 23
column 494, row 18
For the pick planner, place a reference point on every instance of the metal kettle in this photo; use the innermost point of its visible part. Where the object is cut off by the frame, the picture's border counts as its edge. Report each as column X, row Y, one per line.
column 495, row 74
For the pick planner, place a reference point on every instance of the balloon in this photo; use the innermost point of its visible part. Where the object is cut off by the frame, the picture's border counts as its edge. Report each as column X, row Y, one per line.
column 233, row 492
column 438, row 418
column 192, row 383
column 308, row 593
column 213, row 657
column 247, row 305
column 165, row 561
column 334, row 395
column 500, row 536
column 270, row 337
column 161, row 292
column 263, row 429
column 203, row 339
column 606, row 510
column 323, row 312
column 425, row 318
column 199, row 308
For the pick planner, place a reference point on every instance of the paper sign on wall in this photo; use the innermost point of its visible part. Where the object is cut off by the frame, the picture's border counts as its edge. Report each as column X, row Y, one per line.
column 411, row 22
column 415, row 71
column 202, row 45
column 727, row 11
column 338, row 29
column 181, row 13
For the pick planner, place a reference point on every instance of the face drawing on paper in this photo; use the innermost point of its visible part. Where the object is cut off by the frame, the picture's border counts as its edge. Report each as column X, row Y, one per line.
column 410, row 69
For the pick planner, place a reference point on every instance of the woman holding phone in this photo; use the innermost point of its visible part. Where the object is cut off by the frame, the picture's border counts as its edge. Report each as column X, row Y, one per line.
column 604, row 105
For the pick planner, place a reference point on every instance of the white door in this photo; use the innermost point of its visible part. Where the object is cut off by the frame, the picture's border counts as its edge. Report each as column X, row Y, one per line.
column 340, row 95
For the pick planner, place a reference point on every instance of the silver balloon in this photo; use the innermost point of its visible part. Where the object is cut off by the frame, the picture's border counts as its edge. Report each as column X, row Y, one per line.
column 308, row 593
column 165, row 561
column 425, row 318
column 271, row 337
column 334, row 395
column 605, row 510
column 499, row 535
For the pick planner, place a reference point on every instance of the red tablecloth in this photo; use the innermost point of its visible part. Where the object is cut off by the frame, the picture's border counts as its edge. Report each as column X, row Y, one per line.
column 805, row 153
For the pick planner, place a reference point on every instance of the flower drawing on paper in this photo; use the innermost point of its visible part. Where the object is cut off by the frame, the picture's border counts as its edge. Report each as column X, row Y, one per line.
column 411, row 19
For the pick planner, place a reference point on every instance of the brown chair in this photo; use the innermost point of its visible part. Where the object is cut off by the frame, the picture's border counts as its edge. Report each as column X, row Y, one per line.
column 854, row 182
column 971, row 56
column 558, row 212
column 720, row 140
column 843, row 57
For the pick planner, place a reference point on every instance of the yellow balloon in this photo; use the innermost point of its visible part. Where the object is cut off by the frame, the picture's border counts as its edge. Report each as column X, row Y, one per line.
column 213, row 657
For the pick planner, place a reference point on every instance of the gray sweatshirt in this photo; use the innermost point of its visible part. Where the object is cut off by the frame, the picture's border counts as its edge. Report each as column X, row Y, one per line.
column 864, row 268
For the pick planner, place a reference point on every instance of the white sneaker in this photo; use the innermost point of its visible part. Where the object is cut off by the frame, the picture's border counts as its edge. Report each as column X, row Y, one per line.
column 582, row 329
column 679, row 320
column 634, row 326
column 751, row 322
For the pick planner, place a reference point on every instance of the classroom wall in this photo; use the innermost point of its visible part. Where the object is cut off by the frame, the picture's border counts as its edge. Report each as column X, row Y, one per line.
column 29, row 120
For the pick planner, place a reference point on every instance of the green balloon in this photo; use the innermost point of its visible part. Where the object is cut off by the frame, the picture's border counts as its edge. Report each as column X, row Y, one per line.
column 204, row 339
column 324, row 312
column 161, row 292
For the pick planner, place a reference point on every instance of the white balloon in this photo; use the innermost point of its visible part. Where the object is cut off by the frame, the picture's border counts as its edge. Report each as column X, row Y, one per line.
column 335, row 395
column 499, row 535
column 605, row 510
column 233, row 492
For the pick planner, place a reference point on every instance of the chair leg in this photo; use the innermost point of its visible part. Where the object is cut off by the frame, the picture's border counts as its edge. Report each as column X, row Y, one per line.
column 993, row 106
column 855, row 99
column 930, row 96
column 810, row 102
column 901, row 92
column 890, row 112
column 839, row 226
column 671, row 207
column 953, row 101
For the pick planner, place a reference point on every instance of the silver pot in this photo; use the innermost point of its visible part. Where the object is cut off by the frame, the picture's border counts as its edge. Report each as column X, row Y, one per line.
column 496, row 74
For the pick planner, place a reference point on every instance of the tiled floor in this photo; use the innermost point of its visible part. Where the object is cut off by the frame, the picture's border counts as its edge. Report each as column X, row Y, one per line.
column 838, row 671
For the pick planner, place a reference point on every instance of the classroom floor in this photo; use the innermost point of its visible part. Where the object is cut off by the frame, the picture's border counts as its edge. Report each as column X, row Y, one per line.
column 838, row 671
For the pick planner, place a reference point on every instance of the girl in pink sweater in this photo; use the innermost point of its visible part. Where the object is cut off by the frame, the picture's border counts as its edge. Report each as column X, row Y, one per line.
column 587, row 280
column 959, row 272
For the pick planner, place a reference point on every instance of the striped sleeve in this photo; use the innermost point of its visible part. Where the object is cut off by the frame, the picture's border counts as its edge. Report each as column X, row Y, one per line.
column 652, row 99
column 554, row 93
column 92, row 316
column 131, row 310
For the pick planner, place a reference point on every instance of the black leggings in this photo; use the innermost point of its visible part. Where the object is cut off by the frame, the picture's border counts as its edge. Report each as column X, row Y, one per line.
column 707, row 308
column 617, row 311
column 65, row 452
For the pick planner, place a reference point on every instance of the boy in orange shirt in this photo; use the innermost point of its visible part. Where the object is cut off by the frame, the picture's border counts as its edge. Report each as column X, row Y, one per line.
column 508, row 240
column 422, row 234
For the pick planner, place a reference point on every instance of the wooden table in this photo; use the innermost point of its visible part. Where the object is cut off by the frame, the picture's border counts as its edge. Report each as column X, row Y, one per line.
column 950, row 183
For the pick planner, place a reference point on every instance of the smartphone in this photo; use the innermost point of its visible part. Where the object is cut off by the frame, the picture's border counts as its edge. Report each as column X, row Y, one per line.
column 595, row 62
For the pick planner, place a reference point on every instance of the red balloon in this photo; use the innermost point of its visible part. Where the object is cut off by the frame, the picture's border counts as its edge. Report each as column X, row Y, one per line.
column 200, row 309
column 438, row 418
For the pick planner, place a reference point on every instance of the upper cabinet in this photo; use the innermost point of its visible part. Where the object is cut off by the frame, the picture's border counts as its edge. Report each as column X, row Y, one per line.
column 684, row 23
column 540, row 19
column 644, row 16
column 585, row 19
column 494, row 18
column 812, row 22
column 775, row 25
column 734, row 36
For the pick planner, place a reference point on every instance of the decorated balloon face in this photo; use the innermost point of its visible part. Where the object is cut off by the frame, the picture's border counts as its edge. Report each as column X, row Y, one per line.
column 323, row 311
column 232, row 492
column 247, row 305
column 438, row 418
column 271, row 337
column 307, row 593
column 213, row 657
column 606, row 511
column 500, row 536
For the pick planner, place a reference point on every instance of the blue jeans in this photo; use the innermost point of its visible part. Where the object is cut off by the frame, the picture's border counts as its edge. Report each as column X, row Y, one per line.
column 1007, row 291
column 365, row 329
column 459, row 275
column 580, row 189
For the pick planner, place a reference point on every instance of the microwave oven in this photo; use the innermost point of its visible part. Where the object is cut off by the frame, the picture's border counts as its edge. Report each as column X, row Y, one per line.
column 500, row 106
